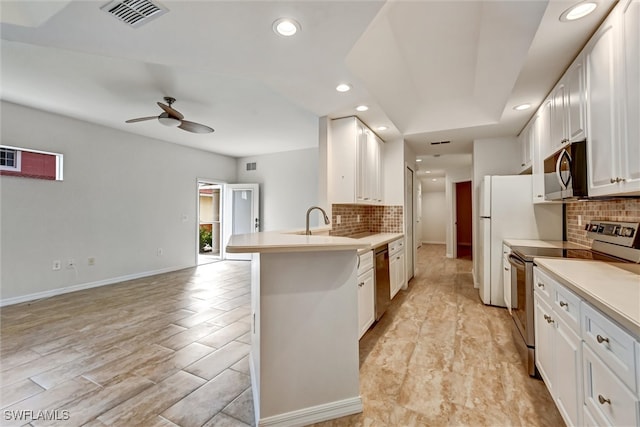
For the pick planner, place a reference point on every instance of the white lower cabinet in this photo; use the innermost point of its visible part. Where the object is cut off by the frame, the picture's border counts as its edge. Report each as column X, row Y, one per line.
column 366, row 293
column 397, row 269
column 606, row 397
column 588, row 362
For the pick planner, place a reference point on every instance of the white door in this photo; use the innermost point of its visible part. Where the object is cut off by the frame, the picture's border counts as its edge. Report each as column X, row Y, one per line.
column 241, row 214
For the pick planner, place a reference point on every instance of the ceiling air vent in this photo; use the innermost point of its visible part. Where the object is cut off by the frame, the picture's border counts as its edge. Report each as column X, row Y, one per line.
column 440, row 142
column 251, row 166
column 134, row 13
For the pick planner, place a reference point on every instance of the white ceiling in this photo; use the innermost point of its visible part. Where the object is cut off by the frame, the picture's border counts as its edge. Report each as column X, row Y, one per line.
column 429, row 70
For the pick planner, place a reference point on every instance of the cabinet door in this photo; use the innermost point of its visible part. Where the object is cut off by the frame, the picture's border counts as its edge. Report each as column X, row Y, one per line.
column 629, row 94
column 361, row 162
column 568, row 388
column 506, row 280
column 544, row 335
column 366, row 302
column 394, row 274
column 576, row 114
column 544, row 129
column 601, row 110
column 558, row 122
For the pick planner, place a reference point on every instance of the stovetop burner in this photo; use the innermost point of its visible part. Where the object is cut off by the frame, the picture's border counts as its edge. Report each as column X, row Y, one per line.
column 612, row 242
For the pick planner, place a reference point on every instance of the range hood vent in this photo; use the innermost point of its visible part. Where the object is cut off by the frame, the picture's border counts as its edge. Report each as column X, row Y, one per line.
column 134, row 13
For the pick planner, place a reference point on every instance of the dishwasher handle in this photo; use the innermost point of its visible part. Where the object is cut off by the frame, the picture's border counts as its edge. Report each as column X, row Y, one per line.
column 516, row 262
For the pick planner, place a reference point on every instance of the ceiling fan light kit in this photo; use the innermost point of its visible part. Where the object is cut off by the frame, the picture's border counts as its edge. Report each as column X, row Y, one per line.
column 173, row 118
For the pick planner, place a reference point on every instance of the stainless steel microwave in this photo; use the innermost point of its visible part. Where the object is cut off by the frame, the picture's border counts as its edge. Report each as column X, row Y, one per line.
column 565, row 173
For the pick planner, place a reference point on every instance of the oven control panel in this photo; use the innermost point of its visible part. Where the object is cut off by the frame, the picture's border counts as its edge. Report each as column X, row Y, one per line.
column 619, row 233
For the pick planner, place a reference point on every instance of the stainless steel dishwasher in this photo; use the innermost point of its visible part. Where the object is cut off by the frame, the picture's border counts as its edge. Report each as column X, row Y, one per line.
column 383, row 284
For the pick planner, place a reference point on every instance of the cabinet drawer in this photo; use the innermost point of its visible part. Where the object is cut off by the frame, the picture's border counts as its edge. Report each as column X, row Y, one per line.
column 543, row 285
column 365, row 262
column 605, row 395
column 615, row 346
column 396, row 246
column 567, row 305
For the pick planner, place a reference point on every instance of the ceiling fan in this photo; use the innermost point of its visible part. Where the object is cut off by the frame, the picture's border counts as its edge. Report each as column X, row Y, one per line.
column 173, row 118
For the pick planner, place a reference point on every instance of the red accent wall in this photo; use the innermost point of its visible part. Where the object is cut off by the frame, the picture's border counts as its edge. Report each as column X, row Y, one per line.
column 35, row 165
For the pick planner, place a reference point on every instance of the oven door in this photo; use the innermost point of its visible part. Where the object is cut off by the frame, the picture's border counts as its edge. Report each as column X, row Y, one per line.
column 521, row 300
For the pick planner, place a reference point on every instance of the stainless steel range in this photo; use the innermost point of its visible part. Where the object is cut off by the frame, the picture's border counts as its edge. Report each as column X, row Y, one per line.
column 612, row 242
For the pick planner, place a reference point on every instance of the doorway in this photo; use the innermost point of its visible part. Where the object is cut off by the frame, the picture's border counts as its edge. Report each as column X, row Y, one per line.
column 241, row 214
column 209, row 222
column 409, row 222
column 464, row 240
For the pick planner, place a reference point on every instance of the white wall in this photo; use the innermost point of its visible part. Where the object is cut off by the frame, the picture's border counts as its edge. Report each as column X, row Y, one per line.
column 393, row 172
column 434, row 217
column 492, row 156
column 288, row 187
column 123, row 197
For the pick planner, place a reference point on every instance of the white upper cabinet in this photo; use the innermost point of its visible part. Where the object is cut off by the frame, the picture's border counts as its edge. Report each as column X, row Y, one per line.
column 630, row 108
column 611, row 63
column 355, row 163
column 567, row 110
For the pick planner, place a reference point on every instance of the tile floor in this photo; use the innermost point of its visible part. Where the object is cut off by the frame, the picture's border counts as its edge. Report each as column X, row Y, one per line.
column 172, row 350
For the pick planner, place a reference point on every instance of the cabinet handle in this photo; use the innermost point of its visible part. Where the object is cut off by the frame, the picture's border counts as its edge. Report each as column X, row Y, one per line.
column 522, row 165
column 603, row 400
column 548, row 319
column 618, row 179
column 506, row 269
column 602, row 339
column 563, row 304
column 397, row 257
column 541, row 285
column 361, row 284
column 612, row 180
column 539, row 195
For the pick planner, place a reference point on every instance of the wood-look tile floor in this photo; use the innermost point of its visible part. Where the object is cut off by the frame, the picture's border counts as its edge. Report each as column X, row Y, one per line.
column 172, row 350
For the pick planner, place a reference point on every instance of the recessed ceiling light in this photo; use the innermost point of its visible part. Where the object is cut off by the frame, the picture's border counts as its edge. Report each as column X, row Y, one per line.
column 362, row 108
column 427, row 171
column 286, row 26
column 522, row 107
column 578, row 11
column 418, row 160
column 343, row 87
column 433, row 179
column 382, row 128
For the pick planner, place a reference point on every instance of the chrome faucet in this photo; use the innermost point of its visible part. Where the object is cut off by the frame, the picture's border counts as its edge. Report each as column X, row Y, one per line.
column 326, row 218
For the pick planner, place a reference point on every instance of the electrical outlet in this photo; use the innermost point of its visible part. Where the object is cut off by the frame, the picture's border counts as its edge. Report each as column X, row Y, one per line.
column 91, row 260
column 338, row 219
column 57, row 265
column 71, row 263
column 160, row 252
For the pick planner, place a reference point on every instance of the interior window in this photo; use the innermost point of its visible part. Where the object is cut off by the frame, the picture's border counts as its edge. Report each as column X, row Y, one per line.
column 27, row 163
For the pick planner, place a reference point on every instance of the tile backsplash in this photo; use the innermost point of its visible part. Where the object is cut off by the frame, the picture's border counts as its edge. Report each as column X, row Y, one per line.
column 355, row 219
column 627, row 210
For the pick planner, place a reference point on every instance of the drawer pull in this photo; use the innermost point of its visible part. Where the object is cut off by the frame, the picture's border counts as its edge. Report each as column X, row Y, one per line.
column 548, row 319
column 541, row 285
column 602, row 339
column 361, row 284
column 506, row 269
column 563, row 304
column 603, row 400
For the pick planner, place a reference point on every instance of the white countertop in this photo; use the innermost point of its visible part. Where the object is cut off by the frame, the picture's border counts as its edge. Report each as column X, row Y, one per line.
column 556, row 244
column 379, row 239
column 611, row 287
column 283, row 242
column 297, row 241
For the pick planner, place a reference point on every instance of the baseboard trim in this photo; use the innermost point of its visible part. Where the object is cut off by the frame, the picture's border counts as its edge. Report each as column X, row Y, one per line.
column 83, row 286
column 432, row 242
column 315, row 414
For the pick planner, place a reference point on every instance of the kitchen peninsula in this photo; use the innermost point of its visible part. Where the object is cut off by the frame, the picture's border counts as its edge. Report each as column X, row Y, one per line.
column 304, row 342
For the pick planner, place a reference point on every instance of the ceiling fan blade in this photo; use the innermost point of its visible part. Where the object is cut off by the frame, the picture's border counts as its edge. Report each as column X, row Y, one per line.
column 171, row 111
column 141, row 119
column 194, row 127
